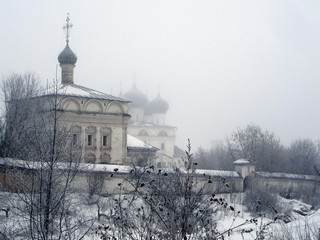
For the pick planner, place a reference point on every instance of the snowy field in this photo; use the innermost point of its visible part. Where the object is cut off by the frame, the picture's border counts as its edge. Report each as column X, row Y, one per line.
column 296, row 220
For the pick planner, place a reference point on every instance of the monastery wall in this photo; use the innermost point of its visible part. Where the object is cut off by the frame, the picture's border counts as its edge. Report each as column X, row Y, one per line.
column 112, row 180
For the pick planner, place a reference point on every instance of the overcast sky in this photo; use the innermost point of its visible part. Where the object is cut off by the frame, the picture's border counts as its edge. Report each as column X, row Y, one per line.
column 221, row 64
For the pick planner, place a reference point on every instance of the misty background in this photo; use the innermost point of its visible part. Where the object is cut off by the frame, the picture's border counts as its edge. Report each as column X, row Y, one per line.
column 220, row 64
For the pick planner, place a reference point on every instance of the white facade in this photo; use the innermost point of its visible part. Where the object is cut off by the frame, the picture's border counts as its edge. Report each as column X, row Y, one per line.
column 98, row 126
column 101, row 132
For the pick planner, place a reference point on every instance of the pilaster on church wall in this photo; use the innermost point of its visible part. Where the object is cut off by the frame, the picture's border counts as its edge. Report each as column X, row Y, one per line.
column 83, row 140
column 124, row 141
column 117, row 145
column 98, row 144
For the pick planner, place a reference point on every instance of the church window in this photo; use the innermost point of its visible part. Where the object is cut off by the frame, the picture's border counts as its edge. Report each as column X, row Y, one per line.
column 104, row 140
column 90, row 140
column 90, row 136
column 74, row 139
column 76, row 133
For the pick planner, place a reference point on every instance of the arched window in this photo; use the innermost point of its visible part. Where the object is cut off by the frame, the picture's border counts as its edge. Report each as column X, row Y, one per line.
column 105, row 137
column 91, row 136
column 76, row 135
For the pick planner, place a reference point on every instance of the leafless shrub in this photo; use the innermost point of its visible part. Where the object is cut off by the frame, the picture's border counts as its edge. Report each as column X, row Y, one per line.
column 165, row 204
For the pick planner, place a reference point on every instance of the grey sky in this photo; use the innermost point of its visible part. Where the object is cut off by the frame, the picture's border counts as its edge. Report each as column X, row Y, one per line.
column 221, row 64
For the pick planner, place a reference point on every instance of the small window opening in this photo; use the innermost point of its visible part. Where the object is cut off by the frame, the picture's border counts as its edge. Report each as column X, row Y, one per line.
column 105, row 140
column 90, row 140
column 74, row 139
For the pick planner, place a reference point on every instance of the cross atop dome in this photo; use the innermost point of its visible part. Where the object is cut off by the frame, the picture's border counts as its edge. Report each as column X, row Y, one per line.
column 67, row 28
column 67, row 58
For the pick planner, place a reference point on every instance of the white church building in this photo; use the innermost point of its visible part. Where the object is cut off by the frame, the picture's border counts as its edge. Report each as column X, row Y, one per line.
column 110, row 129
column 98, row 121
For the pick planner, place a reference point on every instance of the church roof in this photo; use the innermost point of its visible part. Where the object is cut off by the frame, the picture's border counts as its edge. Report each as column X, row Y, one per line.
column 81, row 91
column 139, row 100
column 157, row 105
column 243, row 161
column 135, row 143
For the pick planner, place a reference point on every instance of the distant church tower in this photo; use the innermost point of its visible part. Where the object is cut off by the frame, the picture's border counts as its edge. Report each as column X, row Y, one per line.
column 148, row 123
column 138, row 105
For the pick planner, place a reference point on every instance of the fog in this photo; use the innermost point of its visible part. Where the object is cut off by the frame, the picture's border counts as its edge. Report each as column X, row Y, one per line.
column 220, row 64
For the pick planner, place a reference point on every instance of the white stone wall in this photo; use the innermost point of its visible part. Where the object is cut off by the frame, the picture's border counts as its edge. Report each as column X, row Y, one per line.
column 245, row 170
column 111, row 184
column 94, row 116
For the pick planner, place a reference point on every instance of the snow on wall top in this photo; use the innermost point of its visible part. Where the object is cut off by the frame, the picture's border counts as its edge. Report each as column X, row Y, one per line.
column 243, row 161
column 102, row 168
column 287, row 176
column 218, row 173
column 9, row 162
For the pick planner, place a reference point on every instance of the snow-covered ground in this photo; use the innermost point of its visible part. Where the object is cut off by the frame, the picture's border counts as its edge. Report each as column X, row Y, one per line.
column 297, row 220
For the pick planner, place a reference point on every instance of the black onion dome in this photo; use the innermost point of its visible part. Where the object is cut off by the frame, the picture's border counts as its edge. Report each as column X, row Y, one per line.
column 139, row 100
column 157, row 105
column 67, row 56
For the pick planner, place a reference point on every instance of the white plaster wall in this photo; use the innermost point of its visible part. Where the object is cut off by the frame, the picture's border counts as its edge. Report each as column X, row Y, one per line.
column 90, row 113
column 245, row 170
column 111, row 186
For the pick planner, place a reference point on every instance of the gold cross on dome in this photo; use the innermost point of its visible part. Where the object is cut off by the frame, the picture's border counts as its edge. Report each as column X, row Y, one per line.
column 67, row 28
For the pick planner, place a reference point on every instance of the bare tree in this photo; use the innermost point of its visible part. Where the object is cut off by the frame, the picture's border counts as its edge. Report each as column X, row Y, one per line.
column 18, row 93
column 216, row 157
column 252, row 143
column 303, row 156
column 43, row 181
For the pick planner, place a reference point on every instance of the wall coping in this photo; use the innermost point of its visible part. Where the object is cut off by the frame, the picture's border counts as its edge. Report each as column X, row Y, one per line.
column 243, row 162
